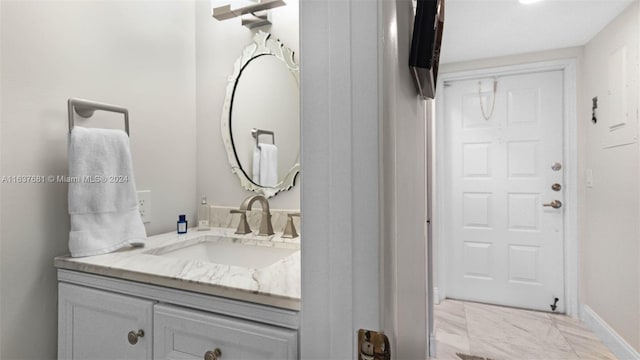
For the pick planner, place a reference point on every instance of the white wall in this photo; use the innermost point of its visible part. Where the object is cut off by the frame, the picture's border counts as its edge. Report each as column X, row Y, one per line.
column 611, row 241
column 404, row 193
column 218, row 45
column 136, row 54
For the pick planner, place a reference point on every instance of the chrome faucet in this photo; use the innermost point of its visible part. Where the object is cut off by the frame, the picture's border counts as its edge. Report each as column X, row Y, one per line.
column 266, row 228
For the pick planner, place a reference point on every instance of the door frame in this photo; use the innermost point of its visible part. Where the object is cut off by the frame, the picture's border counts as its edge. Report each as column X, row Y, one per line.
column 353, row 219
column 570, row 161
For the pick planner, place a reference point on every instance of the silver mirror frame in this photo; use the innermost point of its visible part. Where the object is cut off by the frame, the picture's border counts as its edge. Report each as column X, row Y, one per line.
column 262, row 44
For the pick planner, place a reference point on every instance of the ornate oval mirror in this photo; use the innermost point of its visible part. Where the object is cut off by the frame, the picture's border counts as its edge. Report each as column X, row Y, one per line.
column 261, row 117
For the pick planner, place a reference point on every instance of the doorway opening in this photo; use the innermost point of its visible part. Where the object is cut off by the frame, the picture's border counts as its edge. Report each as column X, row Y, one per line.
column 505, row 199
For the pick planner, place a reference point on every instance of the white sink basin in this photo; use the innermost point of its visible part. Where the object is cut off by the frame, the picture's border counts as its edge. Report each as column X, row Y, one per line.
column 225, row 253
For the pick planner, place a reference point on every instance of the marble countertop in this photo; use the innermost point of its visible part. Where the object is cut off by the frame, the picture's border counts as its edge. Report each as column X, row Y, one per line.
column 277, row 284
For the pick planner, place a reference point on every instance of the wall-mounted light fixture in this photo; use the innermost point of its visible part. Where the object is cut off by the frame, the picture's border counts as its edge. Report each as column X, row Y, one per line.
column 253, row 13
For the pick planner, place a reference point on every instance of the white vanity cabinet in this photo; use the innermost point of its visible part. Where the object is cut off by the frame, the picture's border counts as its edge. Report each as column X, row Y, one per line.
column 101, row 317
column 95, row 324
column 189, row 334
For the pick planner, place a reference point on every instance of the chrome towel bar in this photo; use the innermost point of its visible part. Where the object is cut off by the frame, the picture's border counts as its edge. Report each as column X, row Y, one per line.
column 257, row 132
column 86, row 108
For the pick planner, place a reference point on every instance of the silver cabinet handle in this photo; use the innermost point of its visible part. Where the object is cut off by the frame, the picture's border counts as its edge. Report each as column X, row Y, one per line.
column 556, row 204
column 133, row 336
column 213, row 355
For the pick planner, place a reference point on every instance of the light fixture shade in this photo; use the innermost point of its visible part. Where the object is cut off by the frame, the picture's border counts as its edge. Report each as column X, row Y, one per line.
column 230, row 10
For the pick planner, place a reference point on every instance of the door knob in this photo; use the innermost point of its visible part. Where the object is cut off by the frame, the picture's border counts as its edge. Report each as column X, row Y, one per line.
column 133, row 336
column 556, row 204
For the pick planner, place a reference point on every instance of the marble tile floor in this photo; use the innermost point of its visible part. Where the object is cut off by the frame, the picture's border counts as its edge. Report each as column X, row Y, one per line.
column 502, row 333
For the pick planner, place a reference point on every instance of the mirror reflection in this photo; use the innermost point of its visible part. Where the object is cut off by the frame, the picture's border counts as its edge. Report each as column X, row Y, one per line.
column 260, row 119
column 265, row 111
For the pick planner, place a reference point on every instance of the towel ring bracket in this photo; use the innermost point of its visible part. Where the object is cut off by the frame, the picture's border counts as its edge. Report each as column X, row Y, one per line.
column 86, row 109
column 257, row 132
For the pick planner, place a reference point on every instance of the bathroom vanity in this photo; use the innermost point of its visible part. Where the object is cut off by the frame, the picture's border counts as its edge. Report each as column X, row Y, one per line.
column 207, row 294
column 212, row 295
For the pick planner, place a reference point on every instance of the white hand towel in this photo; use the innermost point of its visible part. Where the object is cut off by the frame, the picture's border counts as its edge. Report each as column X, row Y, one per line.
column 268, row 165
column 102, row 202
column 255, row 174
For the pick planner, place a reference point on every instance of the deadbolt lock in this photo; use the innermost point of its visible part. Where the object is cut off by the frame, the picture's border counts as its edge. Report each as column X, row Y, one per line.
column 556, row 166
column 556, row 187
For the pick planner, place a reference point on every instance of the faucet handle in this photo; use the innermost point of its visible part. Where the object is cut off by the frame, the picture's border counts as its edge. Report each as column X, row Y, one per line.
column 243, row 225
column 290, row 229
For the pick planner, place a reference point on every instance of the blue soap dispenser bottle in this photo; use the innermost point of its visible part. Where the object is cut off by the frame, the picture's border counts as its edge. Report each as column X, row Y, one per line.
column 182, row 224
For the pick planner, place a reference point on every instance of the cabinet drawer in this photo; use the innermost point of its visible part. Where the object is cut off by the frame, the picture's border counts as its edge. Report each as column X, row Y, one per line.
column 94, row 324
column 188, row 334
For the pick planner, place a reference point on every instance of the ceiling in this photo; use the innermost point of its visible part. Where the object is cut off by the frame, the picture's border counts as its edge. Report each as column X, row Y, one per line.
column 478, row 29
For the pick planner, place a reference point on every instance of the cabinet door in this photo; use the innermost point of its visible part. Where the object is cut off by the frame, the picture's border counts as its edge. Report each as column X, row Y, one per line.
column 94, row 324
column 189, row 334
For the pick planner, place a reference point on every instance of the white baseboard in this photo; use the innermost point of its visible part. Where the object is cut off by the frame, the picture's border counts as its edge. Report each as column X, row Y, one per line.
column 618, row 346
column 436, row 296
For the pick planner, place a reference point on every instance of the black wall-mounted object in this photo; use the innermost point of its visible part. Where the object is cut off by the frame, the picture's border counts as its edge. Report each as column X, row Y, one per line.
column 425, row 46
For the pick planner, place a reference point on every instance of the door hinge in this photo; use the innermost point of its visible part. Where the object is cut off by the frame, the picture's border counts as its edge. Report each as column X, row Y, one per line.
column 373, row 345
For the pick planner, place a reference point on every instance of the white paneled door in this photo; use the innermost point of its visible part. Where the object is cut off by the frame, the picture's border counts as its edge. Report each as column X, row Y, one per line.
column 505, row 246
